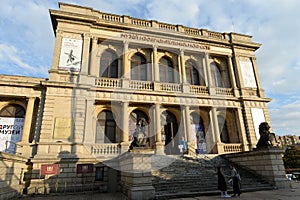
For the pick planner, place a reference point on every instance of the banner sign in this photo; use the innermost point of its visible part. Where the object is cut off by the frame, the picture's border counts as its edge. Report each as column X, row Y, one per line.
column 248, row 74
column 85, row 168
column 47, row 169
column 70, row 55
column 10, row 133
column 257, row 117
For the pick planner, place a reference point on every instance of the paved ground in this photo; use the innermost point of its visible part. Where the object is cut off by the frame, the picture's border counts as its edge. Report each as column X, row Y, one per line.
column 281, row 194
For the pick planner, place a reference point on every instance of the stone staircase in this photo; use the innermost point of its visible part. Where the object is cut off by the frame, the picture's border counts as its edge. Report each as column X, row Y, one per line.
column 188, row 176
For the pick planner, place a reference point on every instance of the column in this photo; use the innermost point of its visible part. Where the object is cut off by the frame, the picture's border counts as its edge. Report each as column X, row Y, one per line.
column 28, row 120
column 182, row 64
column 211, row 87
column 159, row 145
column 232, row 76
column 242, row 130
column 94, row 70
column 57, row 49
column 204, row 70
column 85, row 53
column 125, row 127
column 190, row 141
column 216, row 124
column 258, row 83
column 156, row 66
column 126, row 67
column 89, row 131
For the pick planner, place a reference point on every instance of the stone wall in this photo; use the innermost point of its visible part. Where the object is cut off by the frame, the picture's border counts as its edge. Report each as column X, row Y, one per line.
column 12, row 168
column 267, row 163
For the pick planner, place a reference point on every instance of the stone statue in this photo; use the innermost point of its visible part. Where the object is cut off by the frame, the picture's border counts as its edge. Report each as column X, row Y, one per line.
column 139, row 137
column 266, row 139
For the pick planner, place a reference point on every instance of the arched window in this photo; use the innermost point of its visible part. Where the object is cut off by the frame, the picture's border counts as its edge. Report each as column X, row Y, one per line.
column 109, row 64
column 216, row 75
column 166, row 70
column 223, row 130
column 106, row 128
column 13, row 110
column 138, row 67
column 192, row 75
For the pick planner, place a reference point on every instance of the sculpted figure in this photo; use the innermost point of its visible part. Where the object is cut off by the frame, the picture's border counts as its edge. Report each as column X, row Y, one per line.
column 139, row 137
column 266, row 139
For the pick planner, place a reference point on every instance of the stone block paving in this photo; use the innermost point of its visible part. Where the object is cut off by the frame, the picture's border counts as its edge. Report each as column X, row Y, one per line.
column 280, row 194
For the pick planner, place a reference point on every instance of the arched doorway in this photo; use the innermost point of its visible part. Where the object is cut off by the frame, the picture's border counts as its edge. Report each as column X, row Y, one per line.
column 11, row 127
column 198, row 130
column 170, row 129
column 223, row 130
column 106, row 128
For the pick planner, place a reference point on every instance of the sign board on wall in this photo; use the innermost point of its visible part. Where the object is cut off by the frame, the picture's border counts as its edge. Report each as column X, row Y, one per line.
column 84, row 168
column 70, row 55
column 49, row 169
column 10, row 133
column 248, row 73
column 258, row 117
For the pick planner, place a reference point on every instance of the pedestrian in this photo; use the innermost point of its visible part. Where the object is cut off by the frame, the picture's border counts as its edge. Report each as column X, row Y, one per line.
column 222, row 185
column 236, row 181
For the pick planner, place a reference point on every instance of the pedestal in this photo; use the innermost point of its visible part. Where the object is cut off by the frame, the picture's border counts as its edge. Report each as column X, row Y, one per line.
column 136, row 178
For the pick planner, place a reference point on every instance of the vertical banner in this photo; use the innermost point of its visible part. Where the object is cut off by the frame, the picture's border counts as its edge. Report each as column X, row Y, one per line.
column 10, row 133
column 248, row 73
column 257, row 117
column 70, row 55
column 200, row 140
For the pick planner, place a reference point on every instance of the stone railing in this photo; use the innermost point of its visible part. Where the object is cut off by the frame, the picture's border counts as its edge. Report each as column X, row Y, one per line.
column 231, row 148
column 111, row 17
column 141, row 85
column 111, row 149
column 224, row 91
column 196, row 89
column 159, row 25
column 171, row 87
column 167, row 27
column 192, row 31
column 139, row 22
column 108, row 82
column 215, row 34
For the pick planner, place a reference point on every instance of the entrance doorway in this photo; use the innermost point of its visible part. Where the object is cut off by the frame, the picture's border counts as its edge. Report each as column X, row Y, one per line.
column 170, row 128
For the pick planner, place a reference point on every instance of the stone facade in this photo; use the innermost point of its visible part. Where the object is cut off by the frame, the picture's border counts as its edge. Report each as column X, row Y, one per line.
column 110, row 71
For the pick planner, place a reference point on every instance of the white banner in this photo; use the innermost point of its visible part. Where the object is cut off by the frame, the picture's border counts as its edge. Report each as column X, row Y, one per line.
column 258, row 117
column 248, row 74
column 10, row 133
column 70, row 55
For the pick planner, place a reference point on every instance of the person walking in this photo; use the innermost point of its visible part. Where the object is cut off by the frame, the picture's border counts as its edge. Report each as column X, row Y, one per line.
column 236, row 181
column 222, row 185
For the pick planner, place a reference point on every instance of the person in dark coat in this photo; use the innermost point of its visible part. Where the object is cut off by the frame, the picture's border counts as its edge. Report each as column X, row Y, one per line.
column 236, row 181
column 222, row 185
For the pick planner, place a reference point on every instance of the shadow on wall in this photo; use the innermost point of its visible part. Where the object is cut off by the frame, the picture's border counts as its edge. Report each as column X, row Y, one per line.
column 12, row 168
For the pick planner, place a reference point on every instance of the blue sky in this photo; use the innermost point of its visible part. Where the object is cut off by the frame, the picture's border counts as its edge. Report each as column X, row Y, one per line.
column 27, row 39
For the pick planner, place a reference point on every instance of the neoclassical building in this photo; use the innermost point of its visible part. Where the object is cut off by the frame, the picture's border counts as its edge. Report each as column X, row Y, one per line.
column 111, row 72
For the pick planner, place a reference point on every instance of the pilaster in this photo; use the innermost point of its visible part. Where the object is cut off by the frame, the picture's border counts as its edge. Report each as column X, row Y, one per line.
column 94, row 69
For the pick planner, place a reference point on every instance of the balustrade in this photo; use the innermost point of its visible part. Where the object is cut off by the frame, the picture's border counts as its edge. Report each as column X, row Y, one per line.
column 224, row 91
column 171, row 87
column 141, row 85
column 106, row 149
column 108, row 82
column 196, row 89
column 231, row 148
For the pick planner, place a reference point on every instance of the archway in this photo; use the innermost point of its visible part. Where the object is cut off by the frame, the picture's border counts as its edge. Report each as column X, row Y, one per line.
column 170, row 129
